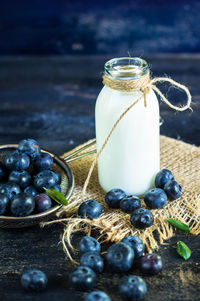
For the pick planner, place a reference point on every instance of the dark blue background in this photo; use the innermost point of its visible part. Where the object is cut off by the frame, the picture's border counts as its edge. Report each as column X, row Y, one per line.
column 98, row 27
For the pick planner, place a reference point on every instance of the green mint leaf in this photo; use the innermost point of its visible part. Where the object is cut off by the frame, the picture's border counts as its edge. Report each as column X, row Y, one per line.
column 179, row 225
column 183, row 250
column 56, row 196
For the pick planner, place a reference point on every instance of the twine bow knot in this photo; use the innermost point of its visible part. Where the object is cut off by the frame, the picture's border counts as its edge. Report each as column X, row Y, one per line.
column 145, row 84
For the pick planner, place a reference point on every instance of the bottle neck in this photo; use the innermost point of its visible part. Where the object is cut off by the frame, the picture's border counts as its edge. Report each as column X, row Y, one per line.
column 126, row 68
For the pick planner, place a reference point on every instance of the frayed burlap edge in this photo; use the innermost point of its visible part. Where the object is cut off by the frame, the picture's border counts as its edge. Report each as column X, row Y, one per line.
column 181, row 158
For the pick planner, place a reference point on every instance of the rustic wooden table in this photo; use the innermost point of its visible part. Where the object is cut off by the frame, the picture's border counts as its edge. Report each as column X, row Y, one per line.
column 52, row 100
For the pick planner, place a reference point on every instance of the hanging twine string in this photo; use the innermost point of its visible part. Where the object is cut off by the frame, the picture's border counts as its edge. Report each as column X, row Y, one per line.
column 143, row 84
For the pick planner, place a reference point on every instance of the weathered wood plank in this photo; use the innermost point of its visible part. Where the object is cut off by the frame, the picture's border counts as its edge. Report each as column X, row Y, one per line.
column 52, row 100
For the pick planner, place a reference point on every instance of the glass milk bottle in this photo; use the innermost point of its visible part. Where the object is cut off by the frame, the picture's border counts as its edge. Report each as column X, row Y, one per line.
column 131, row 158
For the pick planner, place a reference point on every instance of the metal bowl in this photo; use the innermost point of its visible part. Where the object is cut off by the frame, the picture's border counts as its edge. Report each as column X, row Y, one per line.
column 67, row 185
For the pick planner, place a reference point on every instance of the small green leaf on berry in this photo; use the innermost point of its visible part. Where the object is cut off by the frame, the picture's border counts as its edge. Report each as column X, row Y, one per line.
column 56, row 196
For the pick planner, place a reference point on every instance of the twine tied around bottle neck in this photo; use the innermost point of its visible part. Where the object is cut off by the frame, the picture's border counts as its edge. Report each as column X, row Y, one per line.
column 143, row 84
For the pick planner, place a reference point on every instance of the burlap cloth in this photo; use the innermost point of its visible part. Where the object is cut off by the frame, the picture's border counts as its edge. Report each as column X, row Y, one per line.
column 181, row 158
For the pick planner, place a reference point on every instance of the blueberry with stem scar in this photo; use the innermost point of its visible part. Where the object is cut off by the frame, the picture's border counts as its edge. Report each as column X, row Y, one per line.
column 82, row 278
column 34, row 280
column 90, row 209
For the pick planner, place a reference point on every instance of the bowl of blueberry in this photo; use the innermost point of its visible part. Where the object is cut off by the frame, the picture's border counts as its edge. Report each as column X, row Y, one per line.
column 25, row 170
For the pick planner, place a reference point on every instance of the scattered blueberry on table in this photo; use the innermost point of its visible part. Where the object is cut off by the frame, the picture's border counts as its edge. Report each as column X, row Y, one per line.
column 89, row 244
column 142, row 218
column 162, row 177
column 97, row 296
column 34, row 280
column 150, row 264
column 93, row 260
column 119, row 257
column 135, row 243
column 90, row 209
column 173, row 190
column 132, row 288
column 82, row 278
column 113, row 197
column 130, row 203
column 155, row 198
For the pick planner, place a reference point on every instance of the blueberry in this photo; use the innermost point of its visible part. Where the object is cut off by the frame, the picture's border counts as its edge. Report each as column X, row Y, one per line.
column 17, row 161
column 130, row 203
column 4, row 201
column 35, row 280
column 120, row 257
column 150, row 264
column 2, row 172
column 155, row 198
column 97, row 296
column 113, row 197
column 142, row 218
column 22, row 204
column 29, row 147
column 42, row 202
column 5, row 190
column 43, row 162
column 57, row 187
column 57, row 177
column 162, row 177
column 135, row 243
column 89, row 244
column 173, row 190
column 132, row 288
column 10, row 189
column 82, row 278
column 90, row 209
column 45, row 178
column 92, row 260
column 22, row 178
column 31, row 190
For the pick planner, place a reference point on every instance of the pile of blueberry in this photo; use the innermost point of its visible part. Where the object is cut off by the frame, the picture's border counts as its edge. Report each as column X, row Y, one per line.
column 155, row 198
column 166, row 188
column 119, row 259
column 23, row 175
column 120, row 256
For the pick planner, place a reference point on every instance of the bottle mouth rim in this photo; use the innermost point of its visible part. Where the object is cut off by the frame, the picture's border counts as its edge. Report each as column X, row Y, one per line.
column 126, row 68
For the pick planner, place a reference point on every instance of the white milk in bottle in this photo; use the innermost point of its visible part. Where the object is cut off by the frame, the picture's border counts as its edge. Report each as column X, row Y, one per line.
column 131, row 158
